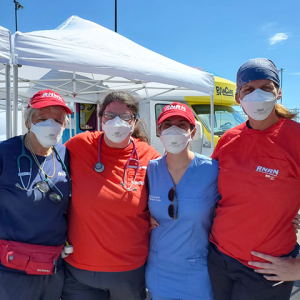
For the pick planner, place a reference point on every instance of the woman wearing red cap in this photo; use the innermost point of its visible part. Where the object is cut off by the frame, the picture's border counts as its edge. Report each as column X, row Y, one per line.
column 34, row 195
column 182, row 196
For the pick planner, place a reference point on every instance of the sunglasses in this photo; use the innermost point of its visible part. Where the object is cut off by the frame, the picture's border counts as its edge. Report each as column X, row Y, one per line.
column 173, row 212
column 44, row 188
column 111, row 115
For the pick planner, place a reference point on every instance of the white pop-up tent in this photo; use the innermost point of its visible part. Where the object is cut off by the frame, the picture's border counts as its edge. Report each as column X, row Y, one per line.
column 83, row 60
column 5, row 60
column 5, row 50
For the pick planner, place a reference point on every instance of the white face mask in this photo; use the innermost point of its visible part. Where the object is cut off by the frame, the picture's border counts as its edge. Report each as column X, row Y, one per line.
column 117, row 129
column 48, row 132
column 175, row 139
column 258, row 105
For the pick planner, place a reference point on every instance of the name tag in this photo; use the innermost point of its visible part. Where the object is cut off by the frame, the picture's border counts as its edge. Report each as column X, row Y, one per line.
column 24, row 174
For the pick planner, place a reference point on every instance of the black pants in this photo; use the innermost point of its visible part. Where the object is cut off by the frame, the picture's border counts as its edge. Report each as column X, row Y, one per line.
column 231, row 280
column 20, row 286
column 90, row 285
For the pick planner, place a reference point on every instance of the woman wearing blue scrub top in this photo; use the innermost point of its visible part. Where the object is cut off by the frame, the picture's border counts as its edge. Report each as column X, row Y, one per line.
column 182, row 196
column 34, row 195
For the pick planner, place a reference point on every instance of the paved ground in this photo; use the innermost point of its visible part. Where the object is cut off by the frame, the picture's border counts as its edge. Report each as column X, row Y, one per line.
column 296, row 291
column 294, row 296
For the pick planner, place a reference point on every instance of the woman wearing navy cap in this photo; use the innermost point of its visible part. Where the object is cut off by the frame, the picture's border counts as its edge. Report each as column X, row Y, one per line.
column 34, row 196
column 259, row 182
column 182, row 197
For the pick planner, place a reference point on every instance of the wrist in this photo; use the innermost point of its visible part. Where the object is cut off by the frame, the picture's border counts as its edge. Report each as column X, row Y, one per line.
column 297, row 268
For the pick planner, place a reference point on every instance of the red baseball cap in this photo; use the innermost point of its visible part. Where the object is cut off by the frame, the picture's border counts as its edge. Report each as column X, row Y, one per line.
column 176, row 109
column 47, row 98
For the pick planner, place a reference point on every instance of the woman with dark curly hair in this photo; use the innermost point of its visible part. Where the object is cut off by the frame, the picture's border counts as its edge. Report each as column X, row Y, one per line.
column 108, row 216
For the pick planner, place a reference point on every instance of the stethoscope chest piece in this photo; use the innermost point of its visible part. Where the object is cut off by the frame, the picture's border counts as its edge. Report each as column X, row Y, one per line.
column 99, row 167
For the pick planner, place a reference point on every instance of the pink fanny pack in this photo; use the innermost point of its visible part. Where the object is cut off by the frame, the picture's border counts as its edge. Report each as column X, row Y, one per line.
column 33, row 259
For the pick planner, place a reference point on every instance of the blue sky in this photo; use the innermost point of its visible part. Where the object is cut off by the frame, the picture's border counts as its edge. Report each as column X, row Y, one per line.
column 217, row 36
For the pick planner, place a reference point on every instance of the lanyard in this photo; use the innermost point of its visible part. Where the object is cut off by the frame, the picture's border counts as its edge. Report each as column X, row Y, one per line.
column 20, row 174
column 99, row 167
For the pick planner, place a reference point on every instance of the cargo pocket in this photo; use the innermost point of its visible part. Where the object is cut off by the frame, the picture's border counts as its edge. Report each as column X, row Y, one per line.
column 199, row 284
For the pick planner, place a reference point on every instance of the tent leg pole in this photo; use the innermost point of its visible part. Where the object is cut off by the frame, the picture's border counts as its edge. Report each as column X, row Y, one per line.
column 70, row 122
column 212, row 119
column 98, row 117
column 75, row 118
column 15, row 106
column 8, row 101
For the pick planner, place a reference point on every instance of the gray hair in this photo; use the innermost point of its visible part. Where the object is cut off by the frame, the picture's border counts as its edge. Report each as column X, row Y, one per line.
column 30, row 111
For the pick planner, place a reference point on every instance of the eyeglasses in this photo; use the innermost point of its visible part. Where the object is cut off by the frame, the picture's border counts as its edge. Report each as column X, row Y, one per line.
column 44, row 188
column 111, row 115
column 173, row 212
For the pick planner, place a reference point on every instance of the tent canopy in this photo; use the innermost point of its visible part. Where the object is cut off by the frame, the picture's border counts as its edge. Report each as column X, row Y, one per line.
column 83, row 61
column 5, row 58
column 79, row 45
column 5, row 49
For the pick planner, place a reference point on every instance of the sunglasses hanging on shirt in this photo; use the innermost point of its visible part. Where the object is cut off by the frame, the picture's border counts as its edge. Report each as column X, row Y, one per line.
column 173, row 209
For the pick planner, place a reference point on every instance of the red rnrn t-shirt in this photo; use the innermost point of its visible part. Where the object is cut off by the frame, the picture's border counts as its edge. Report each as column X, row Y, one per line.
column 108, row 227
column 259, row 182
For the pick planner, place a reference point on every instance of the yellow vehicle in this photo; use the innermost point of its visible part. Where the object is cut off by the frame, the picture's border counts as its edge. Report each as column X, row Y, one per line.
column 225, row 117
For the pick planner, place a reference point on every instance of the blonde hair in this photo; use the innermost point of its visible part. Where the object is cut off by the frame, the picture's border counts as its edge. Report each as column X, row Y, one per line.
column 283, row 112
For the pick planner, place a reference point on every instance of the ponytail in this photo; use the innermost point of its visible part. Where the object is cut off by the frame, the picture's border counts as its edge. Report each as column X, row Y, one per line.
column 283, row 112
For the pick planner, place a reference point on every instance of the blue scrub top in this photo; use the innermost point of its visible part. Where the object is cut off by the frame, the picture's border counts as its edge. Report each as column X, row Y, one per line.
column 177, row 261
column 30, row 216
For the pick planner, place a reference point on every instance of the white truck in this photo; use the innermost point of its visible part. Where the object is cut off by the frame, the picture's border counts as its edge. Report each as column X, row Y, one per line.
column 225, row 117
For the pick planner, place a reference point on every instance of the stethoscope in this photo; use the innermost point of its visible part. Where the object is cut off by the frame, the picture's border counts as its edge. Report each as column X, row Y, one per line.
column 99, row 167
column 24, row 155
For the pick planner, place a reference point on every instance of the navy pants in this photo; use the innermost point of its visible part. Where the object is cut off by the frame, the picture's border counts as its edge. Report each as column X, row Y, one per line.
column 231, row 280
column 15, row 285
column 90, row 285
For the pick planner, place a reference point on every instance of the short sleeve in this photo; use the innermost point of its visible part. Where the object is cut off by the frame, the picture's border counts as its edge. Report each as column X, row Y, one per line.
column 70, row 144
column 74, row 143
column 216, row 195
column 215, row 154
column 155, row 154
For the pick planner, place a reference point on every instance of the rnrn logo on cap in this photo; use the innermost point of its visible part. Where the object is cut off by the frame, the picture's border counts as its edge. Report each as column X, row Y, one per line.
column 47, row 98
column 180, row 107
column 176, row 109
column 52, row 95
